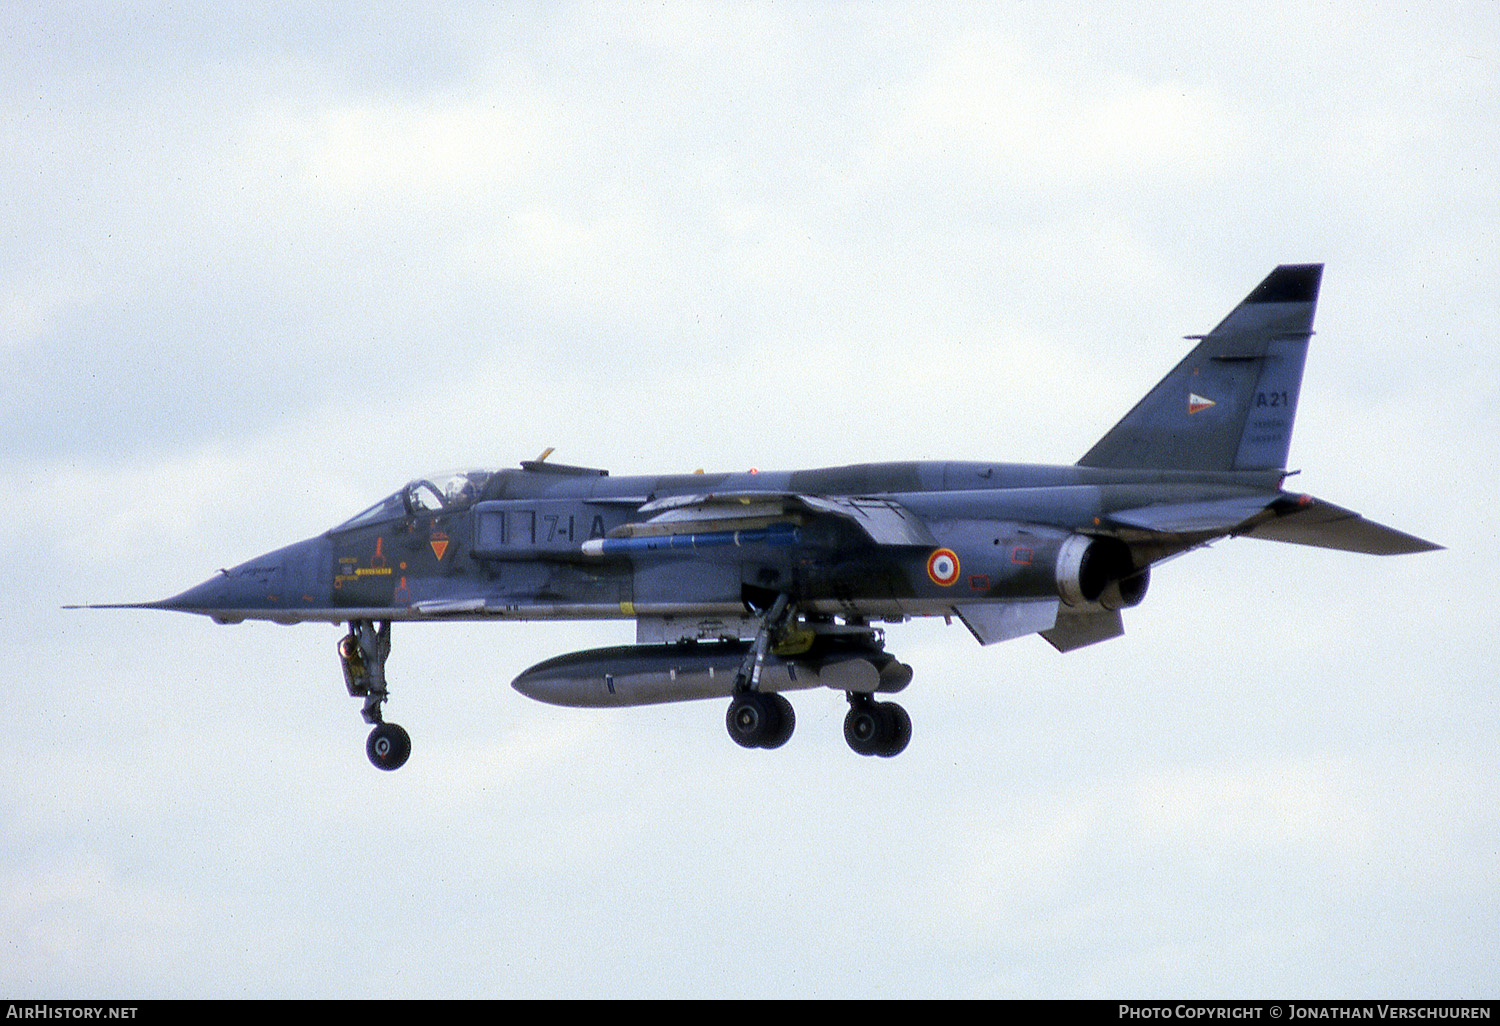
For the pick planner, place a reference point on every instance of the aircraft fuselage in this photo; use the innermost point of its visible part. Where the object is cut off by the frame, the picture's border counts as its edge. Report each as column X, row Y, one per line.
column 519, row 547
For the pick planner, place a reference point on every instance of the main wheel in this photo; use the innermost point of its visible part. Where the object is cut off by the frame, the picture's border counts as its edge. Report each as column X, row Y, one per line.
column 877, row 728
column 760, row 719
column 388, row 746
column 865, row 726
column 748, row 718
column 785, row 721
column 900, row 730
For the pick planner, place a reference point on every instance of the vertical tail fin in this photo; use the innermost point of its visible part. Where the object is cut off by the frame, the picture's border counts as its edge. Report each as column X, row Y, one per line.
column 1230, row 404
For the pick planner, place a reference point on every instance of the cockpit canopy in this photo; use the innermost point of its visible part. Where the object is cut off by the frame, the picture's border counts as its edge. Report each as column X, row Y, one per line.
column 453, row 490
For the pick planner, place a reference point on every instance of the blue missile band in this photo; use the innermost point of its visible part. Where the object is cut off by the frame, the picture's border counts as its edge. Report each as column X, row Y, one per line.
column 777, row 535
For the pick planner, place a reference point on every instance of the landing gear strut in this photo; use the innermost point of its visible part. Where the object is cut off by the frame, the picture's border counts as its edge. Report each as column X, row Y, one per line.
column 363, row 652
column 764, row 719
column 761, row 719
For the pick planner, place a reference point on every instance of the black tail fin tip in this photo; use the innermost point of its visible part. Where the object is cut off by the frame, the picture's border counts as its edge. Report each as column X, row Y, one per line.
column 1229, row 405
column 1289, row 283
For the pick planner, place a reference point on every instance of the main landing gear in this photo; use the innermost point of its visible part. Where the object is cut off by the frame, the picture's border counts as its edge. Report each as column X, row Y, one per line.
column 760, row 719
column 876, row 728
column 363, row 652
column 764, row 719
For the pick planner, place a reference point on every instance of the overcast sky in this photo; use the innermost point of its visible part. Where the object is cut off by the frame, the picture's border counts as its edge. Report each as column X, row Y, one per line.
column 262, row 266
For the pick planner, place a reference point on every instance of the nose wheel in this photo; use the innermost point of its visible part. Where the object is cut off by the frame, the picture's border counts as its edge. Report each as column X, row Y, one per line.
column 388, row 746
column 363, row 652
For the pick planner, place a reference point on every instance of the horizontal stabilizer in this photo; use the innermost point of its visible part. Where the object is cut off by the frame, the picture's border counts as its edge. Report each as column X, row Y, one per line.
column 1326, row 526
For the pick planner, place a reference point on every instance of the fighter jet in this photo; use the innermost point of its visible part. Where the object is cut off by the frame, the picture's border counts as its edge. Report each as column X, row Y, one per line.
column 745, row 586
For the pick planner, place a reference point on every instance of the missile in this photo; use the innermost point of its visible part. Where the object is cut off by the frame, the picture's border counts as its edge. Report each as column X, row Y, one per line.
column 648, row 674
column 777, row 535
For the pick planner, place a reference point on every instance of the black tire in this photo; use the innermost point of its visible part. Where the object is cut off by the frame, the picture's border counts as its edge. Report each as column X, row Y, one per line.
column 785, row 721
column 388, row 746
column 865, row 726
column 749, row 719
column 899, row 736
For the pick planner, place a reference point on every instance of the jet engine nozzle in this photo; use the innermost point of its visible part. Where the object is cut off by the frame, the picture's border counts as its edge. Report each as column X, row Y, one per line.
column 1099, row 572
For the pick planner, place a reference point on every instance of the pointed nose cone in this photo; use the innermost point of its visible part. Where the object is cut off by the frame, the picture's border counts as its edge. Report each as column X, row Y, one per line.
column 270, row 587
column 215, row 595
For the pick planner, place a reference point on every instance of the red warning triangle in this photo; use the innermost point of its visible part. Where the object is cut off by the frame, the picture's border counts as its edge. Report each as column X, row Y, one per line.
column 439, row 546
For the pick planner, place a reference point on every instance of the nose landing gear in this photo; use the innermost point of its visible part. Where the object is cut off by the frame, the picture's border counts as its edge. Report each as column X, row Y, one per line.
column 388, row 746
column 363, row 652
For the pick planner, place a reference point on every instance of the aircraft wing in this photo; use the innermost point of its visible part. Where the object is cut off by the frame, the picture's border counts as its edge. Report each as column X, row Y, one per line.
column 884, row 522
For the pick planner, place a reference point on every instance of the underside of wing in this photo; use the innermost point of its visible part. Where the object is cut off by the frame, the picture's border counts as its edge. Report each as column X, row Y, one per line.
column 882, row 521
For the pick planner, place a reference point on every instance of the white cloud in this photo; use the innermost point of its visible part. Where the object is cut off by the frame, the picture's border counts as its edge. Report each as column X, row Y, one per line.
column 988, row 106
column 380, row 157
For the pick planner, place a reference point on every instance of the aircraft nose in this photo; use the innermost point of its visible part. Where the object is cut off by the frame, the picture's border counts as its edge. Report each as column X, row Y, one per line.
column 278, row 582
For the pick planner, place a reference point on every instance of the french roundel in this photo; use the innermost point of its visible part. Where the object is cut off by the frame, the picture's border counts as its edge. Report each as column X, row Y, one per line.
column 942, row 567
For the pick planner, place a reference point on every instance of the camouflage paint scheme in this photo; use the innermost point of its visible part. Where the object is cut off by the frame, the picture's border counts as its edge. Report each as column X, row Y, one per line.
column 748, row 584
